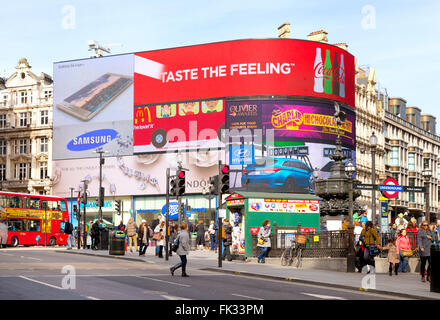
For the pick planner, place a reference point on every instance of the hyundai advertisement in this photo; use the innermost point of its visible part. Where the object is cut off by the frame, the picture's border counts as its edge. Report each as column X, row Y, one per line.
column 93, row 100
column 290, row 139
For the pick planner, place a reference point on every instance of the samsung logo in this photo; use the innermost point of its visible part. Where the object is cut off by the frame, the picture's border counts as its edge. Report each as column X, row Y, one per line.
column 92, row 139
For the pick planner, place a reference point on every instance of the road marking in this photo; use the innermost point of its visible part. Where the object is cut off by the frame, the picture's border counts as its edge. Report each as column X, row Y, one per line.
column 92, row 298
column 173, row 297
column 242, row 296
column 174, row 283
column 6, row 254
column 44, row 283
column 321, row 296
column 35, row 258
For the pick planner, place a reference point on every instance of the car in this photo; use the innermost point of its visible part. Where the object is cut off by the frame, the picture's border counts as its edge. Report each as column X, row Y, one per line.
column 283, row 174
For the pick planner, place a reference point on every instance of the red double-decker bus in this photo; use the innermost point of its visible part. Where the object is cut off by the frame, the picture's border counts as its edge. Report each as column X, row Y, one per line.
column 31, row 218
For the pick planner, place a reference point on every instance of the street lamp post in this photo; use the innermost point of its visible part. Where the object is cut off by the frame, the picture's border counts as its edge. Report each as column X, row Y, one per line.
column 100, row 193
column 427, row 174
column 373, row 144
column 350, row 170
column 71, row 204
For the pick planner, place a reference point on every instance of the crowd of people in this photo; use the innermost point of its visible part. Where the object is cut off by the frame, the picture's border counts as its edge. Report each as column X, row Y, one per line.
column 405, row 238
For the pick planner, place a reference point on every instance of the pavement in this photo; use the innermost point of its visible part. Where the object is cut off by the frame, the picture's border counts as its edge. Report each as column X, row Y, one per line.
column 405, row 285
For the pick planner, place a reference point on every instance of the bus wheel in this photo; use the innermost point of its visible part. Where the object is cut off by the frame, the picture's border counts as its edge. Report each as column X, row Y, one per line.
column 52, row 241
column 14, row 242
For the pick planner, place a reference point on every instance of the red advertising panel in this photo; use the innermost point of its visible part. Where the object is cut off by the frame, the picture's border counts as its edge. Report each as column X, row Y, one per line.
column 244, row 67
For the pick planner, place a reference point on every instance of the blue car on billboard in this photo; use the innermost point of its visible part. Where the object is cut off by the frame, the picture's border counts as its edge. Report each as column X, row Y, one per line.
column 280, row 174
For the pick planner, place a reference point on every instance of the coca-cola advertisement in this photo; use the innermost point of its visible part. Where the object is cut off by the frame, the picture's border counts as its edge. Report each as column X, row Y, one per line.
column 243, row 68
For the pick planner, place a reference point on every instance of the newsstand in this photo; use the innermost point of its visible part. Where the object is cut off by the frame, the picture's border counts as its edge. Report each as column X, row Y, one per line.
column 117, row 243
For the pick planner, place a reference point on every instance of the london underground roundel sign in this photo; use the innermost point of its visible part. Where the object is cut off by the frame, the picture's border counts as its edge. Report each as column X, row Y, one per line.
column 390, row 188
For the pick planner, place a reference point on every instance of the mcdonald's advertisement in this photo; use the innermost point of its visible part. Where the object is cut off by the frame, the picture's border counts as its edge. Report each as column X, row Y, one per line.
column 178, row 126
column 93, row 103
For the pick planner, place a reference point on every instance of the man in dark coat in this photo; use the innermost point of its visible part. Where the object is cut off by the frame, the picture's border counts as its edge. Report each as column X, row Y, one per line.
column 227, row 240
column 95, row 235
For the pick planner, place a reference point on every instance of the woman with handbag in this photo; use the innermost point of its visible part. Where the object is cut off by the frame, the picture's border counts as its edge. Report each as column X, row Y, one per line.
column 182, row 243
column 159, row 235
column 264, row 240
column 393, row 256
column 425, row 238
column 143, row 238
column 403, row 246
column 371, row 241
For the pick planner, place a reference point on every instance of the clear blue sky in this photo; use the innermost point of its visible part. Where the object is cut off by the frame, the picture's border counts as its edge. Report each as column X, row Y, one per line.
column 402, row 45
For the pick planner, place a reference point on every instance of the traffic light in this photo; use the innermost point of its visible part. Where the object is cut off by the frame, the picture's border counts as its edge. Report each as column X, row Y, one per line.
column 118, row 206
column 173, row 186
column 84, row 195
column 75, row 210
column 180, row 183
column 100, row 199
column 182, row 210
column 224, row 179
column 213, row 185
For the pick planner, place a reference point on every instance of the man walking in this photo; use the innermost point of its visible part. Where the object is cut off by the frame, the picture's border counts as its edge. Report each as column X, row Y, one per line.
column 68, row 229
column 95, row 235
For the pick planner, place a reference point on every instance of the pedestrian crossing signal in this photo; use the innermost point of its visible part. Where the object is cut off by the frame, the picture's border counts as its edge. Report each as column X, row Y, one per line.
column 118, row 206
column 224, row 179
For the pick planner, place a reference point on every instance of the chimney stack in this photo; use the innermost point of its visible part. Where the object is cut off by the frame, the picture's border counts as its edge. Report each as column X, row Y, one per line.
column 284, row 30
column 320, row 36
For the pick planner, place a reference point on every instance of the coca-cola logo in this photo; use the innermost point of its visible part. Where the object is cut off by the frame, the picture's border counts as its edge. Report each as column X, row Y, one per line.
column 337, row 74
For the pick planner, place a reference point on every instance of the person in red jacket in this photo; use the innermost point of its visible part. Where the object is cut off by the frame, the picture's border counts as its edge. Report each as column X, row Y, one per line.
column 411, row 232
column 403, row 243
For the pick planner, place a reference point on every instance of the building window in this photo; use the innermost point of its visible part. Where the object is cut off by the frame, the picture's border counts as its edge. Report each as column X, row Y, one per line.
column 425, row 163
column 43, row 145
column 396, row 110
column 23, row 119
column 22, row 146
column 2, row 147
column 2, row 121
column 438, row 172
column 44, row 117
column 47, row 94
column 394, row 156
column 23, row 97
column 2, row 172
column 411, row 195
column 411, row 162
column 20, row 171
column 43, row 170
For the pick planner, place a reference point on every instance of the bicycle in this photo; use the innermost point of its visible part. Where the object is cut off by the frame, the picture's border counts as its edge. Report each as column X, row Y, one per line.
column 293, row 255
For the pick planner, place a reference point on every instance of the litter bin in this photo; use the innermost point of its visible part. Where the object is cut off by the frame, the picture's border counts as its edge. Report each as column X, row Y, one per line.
column 117, row 243
column 435, row 268
column 103, row 239
column 192, row 241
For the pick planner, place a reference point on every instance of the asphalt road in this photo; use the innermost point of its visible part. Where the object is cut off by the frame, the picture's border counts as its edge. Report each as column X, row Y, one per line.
column 38, row 274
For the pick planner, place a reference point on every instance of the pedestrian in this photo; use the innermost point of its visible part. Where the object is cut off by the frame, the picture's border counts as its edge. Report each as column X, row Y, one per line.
column 160, row 229
column 438, row 226
column 154, row 224
column 207, row 239
column 425, row 238
column 264, row 240
column 355, row 216
column 360, row 261
column 95, row 235
column 433, row 229
column 200, row 240
column 182, row 250
column 364, row 218
column 403, row 246
column 393, row 256
column 227, row 239
column 401, row 222
column 68, row 229
column 213, row 235
column 172, row 236
column 411, row 232
column 357, row 231
column 371, row 239
column 144, row 237
column 345, row 224
column 121, row 226
column 131, row 233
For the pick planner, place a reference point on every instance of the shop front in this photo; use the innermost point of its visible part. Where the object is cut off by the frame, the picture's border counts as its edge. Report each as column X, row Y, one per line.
column 109, row 215
column 246, row 212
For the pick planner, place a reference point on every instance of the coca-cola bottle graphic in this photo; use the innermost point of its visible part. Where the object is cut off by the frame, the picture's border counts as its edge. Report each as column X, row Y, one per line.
column 341, row 77
column 319, row 76
column 335, row 76
column 328, row 71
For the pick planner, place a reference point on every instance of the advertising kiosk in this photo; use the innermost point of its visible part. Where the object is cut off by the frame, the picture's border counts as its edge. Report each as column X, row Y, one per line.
column 246, row 212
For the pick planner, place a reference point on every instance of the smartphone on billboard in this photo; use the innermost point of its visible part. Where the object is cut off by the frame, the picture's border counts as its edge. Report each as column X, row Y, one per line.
column 87, row 102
